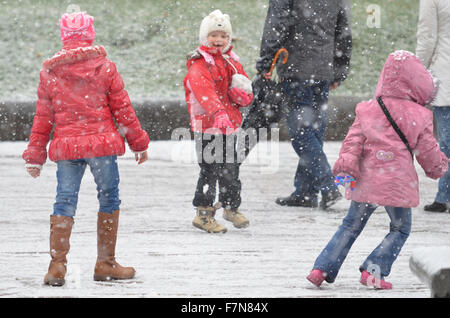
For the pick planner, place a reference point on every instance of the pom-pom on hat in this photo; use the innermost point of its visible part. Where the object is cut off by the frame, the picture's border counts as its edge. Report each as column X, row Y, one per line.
column 77, row 26
column 215, row 21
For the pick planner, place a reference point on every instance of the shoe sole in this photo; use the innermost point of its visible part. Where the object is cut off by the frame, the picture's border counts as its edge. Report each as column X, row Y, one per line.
column 374, row 285
column 241, row 226
column 436, row 211
column 314, row 282
column 280, row 203
column 297, row 205
column 55, row 282
column 203, row 229
column 436, row 207
column 330, row 203
column 103, row 278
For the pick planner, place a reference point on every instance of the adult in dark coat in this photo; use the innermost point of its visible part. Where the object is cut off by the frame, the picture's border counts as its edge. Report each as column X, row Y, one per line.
column 317, row 35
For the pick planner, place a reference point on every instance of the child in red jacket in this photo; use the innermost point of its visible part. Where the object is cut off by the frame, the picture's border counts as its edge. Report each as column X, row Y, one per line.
column 216, row 86
column 80, row 95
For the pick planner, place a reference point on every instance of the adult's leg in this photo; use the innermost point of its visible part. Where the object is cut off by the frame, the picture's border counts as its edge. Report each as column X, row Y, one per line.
column 324, row 176
column 442, row 115
column 307, row 122
column 299, row 119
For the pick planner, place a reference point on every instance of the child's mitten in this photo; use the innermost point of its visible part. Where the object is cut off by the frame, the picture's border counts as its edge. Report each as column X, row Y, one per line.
column 240, row 90
column 345, row 180
column 222, row 121
column 239, row 96
column 242, row 82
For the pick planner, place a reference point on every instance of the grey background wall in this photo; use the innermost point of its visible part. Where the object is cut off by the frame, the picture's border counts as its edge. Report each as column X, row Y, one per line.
column 160, row 117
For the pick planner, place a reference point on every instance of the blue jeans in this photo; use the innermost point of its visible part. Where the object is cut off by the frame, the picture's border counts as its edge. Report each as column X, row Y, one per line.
column 306, row 122
column 69, row 174
column 442, row 116
column 380, row 261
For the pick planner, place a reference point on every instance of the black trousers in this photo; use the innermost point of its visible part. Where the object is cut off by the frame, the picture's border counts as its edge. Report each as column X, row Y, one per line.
column 217, row 159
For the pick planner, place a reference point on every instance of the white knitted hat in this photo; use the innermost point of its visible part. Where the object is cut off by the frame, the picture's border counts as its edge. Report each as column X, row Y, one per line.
column 215, row 21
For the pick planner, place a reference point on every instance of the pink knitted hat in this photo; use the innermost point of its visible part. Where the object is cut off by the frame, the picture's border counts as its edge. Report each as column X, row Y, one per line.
column 77, row 26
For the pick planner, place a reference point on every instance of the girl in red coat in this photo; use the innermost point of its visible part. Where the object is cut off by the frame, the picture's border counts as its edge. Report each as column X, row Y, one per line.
column 80, row 95
column 216, row 86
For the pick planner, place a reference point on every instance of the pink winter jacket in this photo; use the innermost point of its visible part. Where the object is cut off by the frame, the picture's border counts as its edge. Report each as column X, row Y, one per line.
column 374, row 154
column 81, row 95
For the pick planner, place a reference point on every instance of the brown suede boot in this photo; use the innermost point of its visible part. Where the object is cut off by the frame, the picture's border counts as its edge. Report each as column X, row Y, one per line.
column 106, row 267
column 60, row 230
column 236, row 217
column 204, row 220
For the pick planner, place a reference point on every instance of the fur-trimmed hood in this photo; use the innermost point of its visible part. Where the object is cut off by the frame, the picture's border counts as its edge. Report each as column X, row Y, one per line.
column 91, row 56
column 208, row 54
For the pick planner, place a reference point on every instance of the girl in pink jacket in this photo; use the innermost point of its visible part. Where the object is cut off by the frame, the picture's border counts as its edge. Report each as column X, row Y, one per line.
column 374, row 155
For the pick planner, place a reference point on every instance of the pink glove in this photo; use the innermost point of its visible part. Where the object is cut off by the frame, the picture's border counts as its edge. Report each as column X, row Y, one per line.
column 239, row 96
column 222, row 122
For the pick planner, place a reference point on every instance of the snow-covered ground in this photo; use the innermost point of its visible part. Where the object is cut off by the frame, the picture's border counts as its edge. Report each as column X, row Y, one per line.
column 271, row 258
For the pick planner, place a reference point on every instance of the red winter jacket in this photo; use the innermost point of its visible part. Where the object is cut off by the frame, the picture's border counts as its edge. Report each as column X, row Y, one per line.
column 207, row 86
column 80, row 94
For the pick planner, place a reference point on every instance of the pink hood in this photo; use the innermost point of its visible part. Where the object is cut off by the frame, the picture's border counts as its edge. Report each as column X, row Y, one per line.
column 403, row 76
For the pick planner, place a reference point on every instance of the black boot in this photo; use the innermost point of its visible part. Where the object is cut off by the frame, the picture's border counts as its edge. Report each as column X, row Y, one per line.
column 436, row 207
column 330, row 199
column 294, row 200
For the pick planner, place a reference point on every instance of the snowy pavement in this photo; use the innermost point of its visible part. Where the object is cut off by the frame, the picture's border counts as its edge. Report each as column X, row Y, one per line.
column 271, row 258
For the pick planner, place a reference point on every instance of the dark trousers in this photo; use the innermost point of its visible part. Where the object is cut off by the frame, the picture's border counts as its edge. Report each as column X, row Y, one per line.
column 218, row 165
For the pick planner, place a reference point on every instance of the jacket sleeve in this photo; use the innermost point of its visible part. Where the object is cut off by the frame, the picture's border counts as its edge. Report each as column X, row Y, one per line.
column 36, row 152
column 342, row 46
column 201, row 84
column 275, row 32
column 427, row 31
column 351, row 151
column 124, row 113
column 433, row 161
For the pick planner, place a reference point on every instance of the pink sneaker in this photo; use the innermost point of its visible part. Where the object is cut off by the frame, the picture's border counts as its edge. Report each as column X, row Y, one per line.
column 317, row 277
column 369, row 280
